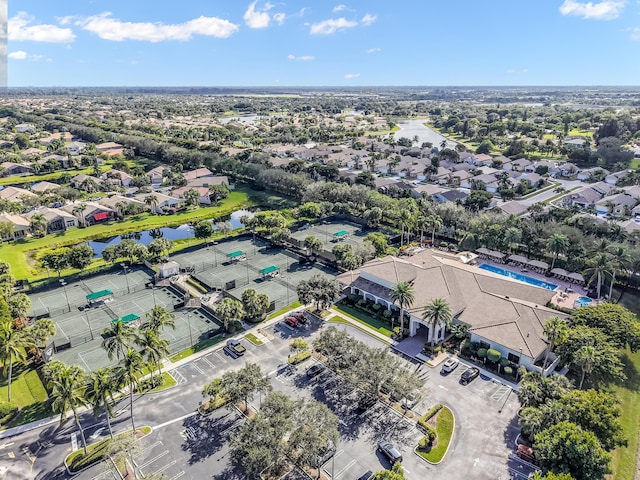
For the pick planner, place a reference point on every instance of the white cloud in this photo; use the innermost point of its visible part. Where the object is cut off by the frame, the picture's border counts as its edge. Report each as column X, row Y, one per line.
column 115, row 30
column 339, row 8
column 634, row 33
column 257, row 18
column 352, row 75
column 18, row 55
column 368, row 19
column 515, row 71
column 301, row 58
column 279, row 18
column 19, row 29
column 606, row 10
column 373, row 50
column 327, row 27
column 68, row 20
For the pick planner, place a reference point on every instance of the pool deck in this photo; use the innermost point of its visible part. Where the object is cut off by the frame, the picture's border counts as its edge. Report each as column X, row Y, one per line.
column 565, row 295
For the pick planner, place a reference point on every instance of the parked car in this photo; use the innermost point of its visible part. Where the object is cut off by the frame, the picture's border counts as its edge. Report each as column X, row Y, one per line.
column 365, row 403
column 300, row 316
column 234, row 348
column 409, row 401
column 366, row 476
column 469, row 375
column 291, row 321
column 449, row 366
column 389, row 451
column 315, row 370
column 526, row 453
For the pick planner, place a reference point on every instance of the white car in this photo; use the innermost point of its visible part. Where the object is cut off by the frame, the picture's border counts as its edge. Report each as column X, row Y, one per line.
column 449, row 366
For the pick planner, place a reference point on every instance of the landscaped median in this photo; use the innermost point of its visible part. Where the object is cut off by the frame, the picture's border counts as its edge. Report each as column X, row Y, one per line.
column 438, row 423
column 78, row 461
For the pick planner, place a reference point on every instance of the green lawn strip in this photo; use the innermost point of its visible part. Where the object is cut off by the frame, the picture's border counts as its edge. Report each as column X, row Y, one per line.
column 253, row 339
column 197, row 348
column 77, row 460
column 167, row 382
column 45, row 177
column 559, row 195
column 537, row 192
column 336, row 319
column 623, row 464
column 444, row 427
column 365, row 319
column 284, row 310
column 299, row 358
column 28, row 393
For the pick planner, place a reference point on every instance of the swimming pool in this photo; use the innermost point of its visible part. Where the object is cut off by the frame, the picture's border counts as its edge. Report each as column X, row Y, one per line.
column 518, row 276
column 582, row 301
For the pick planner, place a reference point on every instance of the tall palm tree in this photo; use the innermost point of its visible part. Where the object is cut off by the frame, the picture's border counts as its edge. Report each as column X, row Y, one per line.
column 79, row 209
column 598, row 269
column 512, row 237
column 127, row 373
column 435, row 224
column 406, row 220
column 99, row 390
column 158, row 319
column 38, row 225
column 153, row 348
column 152, row 202
column 557, row 244
column 402, row 293
column 621, row 260
column 119, row 339
column 436, row 313
column 13, row 344
column 556, row 330
column 585, row 358
column 67, row 393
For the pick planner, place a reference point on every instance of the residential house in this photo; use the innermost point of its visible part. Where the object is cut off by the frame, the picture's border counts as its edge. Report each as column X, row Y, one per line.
column 78, row 180
column 471, row 181
column 533, row 179
column 32, row 152
column 482, row 159
column 62, row 160
column 42, row 187
column 518, row 165
column 9, row 169
column 583, row 198
column 75, row 148
column 427, row 190
column 614, row 178
column 25, row 128
column 456, row 178
column 116, row 202
column 587, row 172
column 21, row 226
column 501, row 313
column 57, row 220
column 209, row 181
column 164, row 202
column 15, row 194
column 603, row 188
column 91, row 214
column 117, row 177
column 514, row 208
column 110, row 148
column 633, row 190
column 197, row 173
column 617, row 205
column 450, row 196
column 575, row 142
column 203, row 194
column 156, row 175
column 494, row 187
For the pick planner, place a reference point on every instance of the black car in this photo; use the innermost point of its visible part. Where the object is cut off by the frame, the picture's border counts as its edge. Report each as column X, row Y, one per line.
column 365, row 403
column 234, row 348
column 469, row 375
column 391, row 452
column 366, row 476
column 315, row 370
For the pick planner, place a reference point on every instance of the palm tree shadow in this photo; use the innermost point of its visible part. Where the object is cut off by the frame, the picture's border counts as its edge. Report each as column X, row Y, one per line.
column 633, row 376
column 207, row 435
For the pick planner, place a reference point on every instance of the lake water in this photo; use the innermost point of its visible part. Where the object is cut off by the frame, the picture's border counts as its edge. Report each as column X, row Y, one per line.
column 240, row 118
column 170, row 233
column 411, row 128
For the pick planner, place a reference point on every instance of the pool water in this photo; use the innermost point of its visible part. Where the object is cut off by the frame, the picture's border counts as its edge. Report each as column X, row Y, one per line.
column 583, row 301
column 519, row 276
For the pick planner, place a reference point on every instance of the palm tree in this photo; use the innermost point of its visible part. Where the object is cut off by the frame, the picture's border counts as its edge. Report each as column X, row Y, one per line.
column 435, row 224
column 127, row 373
column 158, row 319
column 153, row 348
column 557, row 244
column 13, row 344
column 100, row 386
column 406, row 220
column 119, row 339
column 402, row 294
column 598, row 269
column 556, row 330
column 67, row 393
column 585, row 358
column 152, row 202
column 79, row 209
column 38, row 225
column 512, row 237
column 436, row 313
column 622, row 260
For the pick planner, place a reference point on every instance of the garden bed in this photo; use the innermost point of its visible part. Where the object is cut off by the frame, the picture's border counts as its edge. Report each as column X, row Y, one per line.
column 444, row 424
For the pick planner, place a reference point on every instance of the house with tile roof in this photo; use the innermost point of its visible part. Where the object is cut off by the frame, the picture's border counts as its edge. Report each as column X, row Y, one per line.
column 501, row 313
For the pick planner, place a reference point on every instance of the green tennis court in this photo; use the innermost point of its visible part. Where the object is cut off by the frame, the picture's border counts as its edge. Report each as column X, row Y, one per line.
column 332, row 233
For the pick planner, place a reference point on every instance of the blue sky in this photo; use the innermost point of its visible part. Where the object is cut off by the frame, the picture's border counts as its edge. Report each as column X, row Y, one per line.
column 320, row 43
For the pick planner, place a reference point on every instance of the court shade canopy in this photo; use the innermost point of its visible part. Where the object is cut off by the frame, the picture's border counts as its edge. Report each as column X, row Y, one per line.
column 132, row 317
column 102, row 294
column 270, row 271
column 237, row 255
column 340, row 234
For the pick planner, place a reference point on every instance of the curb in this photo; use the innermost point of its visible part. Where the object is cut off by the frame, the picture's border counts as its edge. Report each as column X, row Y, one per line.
column 444, row 456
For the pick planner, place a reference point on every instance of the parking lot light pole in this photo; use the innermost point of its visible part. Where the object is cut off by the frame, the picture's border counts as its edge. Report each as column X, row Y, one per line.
column 189, row 324
column 125, row 267
column 153, row 293
column 64, row 286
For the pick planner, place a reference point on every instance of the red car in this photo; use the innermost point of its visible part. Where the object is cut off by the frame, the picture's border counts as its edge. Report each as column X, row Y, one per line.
column 291, row 321
column 300, row 316
column 526, row 453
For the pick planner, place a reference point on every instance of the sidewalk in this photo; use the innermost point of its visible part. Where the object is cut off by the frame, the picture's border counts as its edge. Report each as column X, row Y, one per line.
column 361, row 326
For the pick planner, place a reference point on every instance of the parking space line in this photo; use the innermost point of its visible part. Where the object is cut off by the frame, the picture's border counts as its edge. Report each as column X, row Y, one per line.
column 347, row 467
column 204, row 359
column 223, row 360
column 178, row 475
column 179, row 378
column 149, row 462
column 173, row 462
column 197, row 368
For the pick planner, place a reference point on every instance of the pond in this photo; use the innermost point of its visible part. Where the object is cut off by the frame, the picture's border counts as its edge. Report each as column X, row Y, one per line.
column 413, row 128
column 170, row 233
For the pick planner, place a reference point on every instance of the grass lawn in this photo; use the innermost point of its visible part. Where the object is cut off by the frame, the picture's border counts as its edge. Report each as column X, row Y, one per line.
column 365, row 319
column 253, row 339
column 49, row 176
column 444, row 427
column 372, row 133
column 284, row 310
column 28, row 393
column 197, row 348
column 20, row 255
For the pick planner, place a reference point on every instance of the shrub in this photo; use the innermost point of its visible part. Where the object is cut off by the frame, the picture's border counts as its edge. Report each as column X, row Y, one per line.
column 361, row 303
column 387, row 314
column 234, row 326
column 492, row 355
column 482, row 352
column 7, row 409
column 149, row 383
column 508, row 371
column 376, row 307
column 426, row 441
column 422, row 421
column 299, row 358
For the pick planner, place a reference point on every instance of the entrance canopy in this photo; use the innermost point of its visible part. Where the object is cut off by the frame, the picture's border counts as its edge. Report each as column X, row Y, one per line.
column 92, row 297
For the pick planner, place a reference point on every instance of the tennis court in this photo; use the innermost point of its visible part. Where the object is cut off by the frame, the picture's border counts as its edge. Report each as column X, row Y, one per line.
column 332, row 233
column 80, row 334
column 66, row 297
